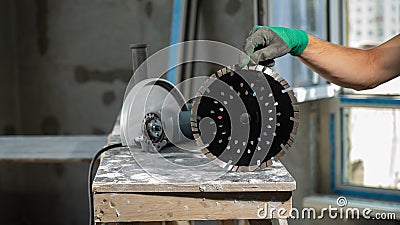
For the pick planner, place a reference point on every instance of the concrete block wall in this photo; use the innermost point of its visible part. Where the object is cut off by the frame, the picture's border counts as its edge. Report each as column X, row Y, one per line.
column 70, row 61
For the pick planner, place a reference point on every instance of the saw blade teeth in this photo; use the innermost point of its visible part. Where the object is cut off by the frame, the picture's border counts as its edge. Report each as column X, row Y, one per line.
column 252, row 67
column 220, row 163
column 199, row 142
column 277, row 76
column 296, row 125
column 230, row 167
column 282, row 153
column 252, row 168
column 223, row 70
column 259, row 68
column 278, row 156
column 292, row 137
column 267, row 71
column 280, row 79
column 295, row 128
column 209, row 81
column 200, row 91
column 194, row 118
column 210, row 156
column 292, row 96
column 235, row 168
column 274, row 75
column 205, row 151
column 297, row 115
column 284, row 83
column 263, row 165
column 287, row 89
column 290, row 142
column 196, row 100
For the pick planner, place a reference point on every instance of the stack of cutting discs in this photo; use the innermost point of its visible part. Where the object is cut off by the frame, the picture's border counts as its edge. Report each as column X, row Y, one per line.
column 243, row 118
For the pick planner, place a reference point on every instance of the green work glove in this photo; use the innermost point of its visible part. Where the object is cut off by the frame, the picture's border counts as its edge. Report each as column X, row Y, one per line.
column 265, row 43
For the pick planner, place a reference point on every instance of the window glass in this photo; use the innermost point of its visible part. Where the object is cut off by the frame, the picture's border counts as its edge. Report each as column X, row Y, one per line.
column 372, row 147
column 370, row 23
column 308, row 15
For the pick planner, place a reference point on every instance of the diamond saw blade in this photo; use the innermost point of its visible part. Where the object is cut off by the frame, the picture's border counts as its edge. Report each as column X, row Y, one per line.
column 243, row 118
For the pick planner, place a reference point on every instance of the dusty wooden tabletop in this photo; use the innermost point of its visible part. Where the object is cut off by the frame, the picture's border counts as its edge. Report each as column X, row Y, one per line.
column 122, row 171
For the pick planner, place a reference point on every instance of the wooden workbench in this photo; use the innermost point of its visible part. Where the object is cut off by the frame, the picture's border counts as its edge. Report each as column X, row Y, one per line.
column 144, row 187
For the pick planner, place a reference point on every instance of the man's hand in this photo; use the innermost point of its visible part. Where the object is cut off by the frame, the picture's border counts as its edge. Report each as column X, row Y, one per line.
column 266, row 43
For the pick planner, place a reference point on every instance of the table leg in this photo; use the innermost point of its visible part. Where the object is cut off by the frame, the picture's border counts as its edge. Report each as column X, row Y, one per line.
column 226, row 222
column 282, row 222
column 260, row 222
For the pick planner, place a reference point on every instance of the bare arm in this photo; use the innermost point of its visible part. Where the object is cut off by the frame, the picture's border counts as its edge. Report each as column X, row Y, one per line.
column 353, row 68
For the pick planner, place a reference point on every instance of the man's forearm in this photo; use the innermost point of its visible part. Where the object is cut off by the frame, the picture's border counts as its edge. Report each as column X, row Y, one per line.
column 352, row 68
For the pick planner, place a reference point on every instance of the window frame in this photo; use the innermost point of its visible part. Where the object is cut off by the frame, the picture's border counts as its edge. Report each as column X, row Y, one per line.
column 338, row 134
column 338, row 159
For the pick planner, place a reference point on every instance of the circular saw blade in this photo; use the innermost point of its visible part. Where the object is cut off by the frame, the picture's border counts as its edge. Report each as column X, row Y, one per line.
column 245, row 117
column 150, row 102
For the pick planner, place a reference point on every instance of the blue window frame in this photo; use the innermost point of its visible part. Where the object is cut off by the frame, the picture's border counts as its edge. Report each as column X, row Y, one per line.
column 342, row 165
column 353, row 144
